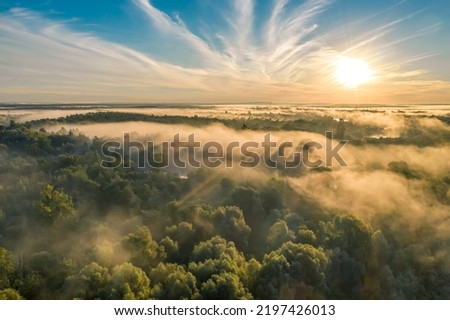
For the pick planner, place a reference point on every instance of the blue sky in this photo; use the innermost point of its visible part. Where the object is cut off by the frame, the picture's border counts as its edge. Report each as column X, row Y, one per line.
column 223, row 51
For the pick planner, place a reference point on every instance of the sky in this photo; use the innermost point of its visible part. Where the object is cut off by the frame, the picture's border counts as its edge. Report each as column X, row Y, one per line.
column 237, row 51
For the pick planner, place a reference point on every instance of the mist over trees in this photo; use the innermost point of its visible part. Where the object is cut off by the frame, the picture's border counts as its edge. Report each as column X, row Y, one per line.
column 72, row 229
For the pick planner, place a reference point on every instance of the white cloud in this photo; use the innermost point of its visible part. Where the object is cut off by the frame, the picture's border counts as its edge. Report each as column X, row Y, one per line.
column 45, row 57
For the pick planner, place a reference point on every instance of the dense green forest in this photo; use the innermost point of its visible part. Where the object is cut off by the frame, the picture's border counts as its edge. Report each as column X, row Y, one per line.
column 72, row 229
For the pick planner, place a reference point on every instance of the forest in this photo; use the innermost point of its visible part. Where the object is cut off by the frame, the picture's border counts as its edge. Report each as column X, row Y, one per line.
column 73, row 229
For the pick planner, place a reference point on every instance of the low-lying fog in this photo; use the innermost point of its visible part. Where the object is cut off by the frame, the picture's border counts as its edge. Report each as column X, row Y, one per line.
column 365, row 187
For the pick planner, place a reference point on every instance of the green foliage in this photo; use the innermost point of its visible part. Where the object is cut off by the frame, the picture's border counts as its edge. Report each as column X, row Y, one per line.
column 7, row 267
column 128, row 282
column 172, row 281
column 349, row 234
column 224, row 286
column 351, row 242
column 229, row 223
column 89, row 283
column 144, row 251
column 217, row 256
column 171, row 249
column 10, row 294
column 304, row 235
column 293, row 271
column 279, row 233
column 31, row 285
column 401, row 167
column 54, row 204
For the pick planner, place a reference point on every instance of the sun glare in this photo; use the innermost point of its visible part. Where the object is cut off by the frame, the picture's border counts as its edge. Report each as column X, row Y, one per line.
column 352, row 72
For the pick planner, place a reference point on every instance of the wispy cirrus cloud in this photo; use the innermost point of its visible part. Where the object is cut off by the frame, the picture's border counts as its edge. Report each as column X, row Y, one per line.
column 176, row 28
column 45, row 57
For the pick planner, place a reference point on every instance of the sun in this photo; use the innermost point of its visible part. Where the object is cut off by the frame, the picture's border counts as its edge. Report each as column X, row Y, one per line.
column 352, row 72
